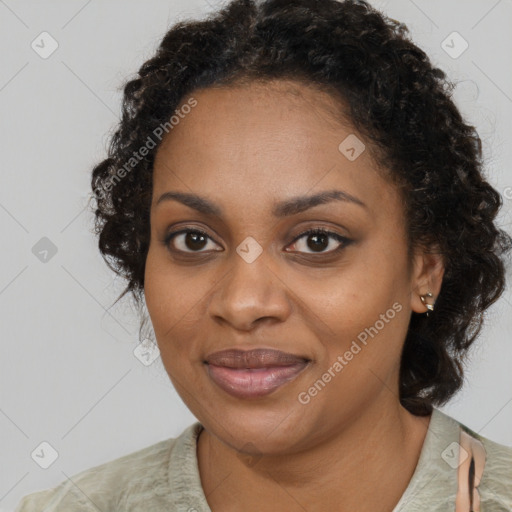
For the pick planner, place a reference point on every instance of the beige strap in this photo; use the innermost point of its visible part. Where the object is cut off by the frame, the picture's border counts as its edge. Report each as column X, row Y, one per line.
column 472, row 457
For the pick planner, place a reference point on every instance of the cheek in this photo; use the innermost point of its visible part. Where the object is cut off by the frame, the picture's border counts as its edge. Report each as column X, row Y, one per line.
column 350, row 297
column 359, row 310
column 372, row 326
column 175, row 302
column 167, row 296
column 361, row 349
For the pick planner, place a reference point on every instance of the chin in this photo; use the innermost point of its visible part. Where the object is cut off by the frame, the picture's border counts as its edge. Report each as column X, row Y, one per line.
column 269, row 429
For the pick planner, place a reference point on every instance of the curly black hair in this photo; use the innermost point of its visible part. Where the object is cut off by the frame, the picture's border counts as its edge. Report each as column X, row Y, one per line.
column 394, row 97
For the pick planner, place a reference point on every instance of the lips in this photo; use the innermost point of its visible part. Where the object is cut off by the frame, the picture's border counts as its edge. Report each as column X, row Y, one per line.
column 253, row 373
column 256, row 358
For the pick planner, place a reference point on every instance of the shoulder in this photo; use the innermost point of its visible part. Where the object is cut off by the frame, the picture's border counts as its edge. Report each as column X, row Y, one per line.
column 141, row 476
column 487, row 463
column 495, row 470
column 459, row 469
column 497, row 456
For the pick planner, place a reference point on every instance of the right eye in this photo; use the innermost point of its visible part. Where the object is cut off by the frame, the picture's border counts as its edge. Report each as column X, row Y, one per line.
column 193, row 239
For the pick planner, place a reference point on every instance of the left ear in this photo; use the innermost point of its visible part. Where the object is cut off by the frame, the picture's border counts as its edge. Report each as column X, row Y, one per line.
column 427, row 276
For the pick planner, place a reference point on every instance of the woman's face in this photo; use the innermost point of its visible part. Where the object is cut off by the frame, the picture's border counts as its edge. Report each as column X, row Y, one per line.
column 342, row 306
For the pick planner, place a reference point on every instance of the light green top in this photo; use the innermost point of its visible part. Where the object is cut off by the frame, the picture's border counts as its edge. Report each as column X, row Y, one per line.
column 165, row 477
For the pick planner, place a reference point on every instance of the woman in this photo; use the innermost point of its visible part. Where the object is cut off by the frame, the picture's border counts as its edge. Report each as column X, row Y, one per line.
column 296, row 199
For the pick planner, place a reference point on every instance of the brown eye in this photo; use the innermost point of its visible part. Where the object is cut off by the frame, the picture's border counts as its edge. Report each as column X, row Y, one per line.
column 318, row 240
column 187, row 240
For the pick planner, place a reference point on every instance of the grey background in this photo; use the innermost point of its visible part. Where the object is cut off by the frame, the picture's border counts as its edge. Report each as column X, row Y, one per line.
column 68, row 373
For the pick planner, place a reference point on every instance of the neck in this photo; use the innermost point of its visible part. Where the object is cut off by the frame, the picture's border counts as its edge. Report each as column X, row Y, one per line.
column 377, row 451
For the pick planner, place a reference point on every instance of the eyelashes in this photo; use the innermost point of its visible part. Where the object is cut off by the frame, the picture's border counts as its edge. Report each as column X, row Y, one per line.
column 171, row 236
column 343, row 241
column 200, row 237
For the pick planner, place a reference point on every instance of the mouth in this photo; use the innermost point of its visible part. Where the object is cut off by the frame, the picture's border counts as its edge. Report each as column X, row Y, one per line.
column 254, row 373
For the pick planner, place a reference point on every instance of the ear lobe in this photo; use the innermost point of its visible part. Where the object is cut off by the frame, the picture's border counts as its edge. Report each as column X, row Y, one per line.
column 427, row 277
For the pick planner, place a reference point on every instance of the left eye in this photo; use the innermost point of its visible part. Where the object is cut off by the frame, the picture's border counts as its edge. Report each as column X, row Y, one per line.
column 320, row 239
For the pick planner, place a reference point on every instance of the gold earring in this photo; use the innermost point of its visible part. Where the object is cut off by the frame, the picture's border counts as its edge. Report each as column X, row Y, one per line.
column 430, row 307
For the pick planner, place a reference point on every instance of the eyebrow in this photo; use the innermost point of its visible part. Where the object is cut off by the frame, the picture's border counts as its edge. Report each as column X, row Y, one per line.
column 285, row 208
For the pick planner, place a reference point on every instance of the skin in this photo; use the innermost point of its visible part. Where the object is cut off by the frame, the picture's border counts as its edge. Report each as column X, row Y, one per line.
column 246, row 148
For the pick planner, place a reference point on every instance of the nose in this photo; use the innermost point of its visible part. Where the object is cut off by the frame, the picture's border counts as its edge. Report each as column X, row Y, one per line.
column 249, row 293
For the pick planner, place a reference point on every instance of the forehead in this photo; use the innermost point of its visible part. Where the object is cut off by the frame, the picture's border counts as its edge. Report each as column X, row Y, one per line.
column 257, row 141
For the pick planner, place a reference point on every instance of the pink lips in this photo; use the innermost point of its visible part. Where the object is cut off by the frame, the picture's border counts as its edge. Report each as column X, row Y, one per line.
column 253, row 373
